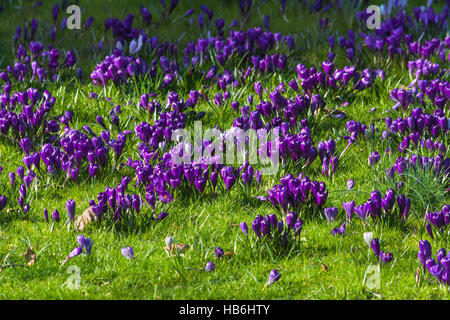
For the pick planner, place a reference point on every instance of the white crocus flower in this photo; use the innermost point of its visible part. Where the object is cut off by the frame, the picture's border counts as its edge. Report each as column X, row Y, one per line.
column 119, row 45
column 169, row 241
column 368, row 236
column 135, row 46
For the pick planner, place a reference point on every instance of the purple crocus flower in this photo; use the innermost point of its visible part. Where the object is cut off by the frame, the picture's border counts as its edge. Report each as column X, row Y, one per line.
column 127, row 252
column 331, row 214
column 56, row 216
column 349, row 208
column 71, row 206
column 136, row 203
column 350, row 184
column 424, row 251
column 46, row 214
column 273, row 277
column 374, row 157
column 375, row 244
column 162, row 215
column 55, row 12
column 85, row 243
column 244, row 228
column 75, row 252
column 218, row 252
column 25, row 143
column 3, row 202
column 386, row 257
column 340, row 230
column 12, row 178
column 210, row 266
column 291, row 219
column 362, row 210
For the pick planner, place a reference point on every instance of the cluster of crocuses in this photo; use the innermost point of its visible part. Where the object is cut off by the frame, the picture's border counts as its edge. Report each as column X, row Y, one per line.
column 298, row 193
column 392, row 34
column 379, row 207
column 26, row 178
column 253, row 40
column 77, row 147
column 437, row 90
column 273, row 111
column 33, row 116
column 345, row 80
column 438, row 165
column 424, row 69
column 163, row 179
column 269, row 63
column 419, row 125
column 121, row 204
column 382, row 256
column 439, row 270
column 438, row 219
column 118, row 69
column 357, row 131
column 37, row 63
column 162, row 129
column 294, row 146
column 269, row 227
column 374, row 157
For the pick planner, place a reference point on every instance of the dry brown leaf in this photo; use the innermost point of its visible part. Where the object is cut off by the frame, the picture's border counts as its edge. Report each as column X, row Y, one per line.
column 234, row 224
column 417, row 277
column 173, row 249
column 324, row 267
column 30, row 257
column 228, row 254
column 86, row 218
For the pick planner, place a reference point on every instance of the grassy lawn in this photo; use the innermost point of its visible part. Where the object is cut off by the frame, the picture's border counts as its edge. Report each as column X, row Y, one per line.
column 316, row 266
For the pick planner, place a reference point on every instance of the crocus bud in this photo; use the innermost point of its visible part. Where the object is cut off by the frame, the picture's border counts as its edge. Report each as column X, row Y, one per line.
column 169, row 241
column 350, row 184
column 273, row 277
column 56, row 216
column 368, row 236
column 75, row 252
column 244, row 228
column 210, row 266
column 71, row 206
column 375, row 244
column 218, row 252
column 127, row 252
column 3, row 202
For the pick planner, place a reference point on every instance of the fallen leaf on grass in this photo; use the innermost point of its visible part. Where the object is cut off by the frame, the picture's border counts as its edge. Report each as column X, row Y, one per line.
column 417, row 277
column 30, row 257
column 228, row 254
column 176, row 246
column 86, row 218
column 324, row 267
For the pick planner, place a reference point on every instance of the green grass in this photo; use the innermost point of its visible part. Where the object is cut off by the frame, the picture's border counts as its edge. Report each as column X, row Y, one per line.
column 213, row 219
